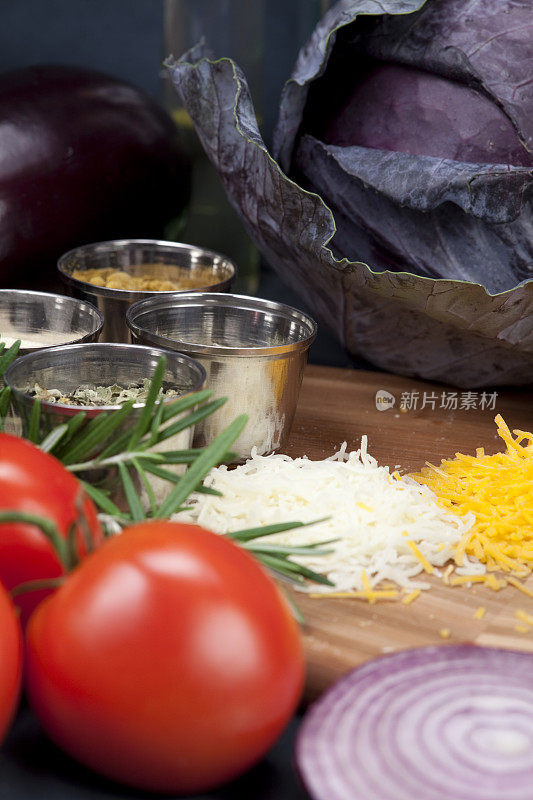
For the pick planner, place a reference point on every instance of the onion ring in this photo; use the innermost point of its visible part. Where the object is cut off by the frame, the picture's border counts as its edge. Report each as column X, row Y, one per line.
column 453, row 722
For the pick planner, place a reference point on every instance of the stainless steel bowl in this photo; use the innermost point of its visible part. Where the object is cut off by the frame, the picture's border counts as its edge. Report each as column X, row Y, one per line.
column 208, row 270
column 254, row 353
column 67, row 367
column 46, row 320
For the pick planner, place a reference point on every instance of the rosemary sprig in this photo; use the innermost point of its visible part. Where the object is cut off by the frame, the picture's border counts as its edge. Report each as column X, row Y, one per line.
column 134, row 501
column 114, row 440
column 277, row 557
column 5, row 398
column 33, row 427
column 104, row 503
column 96, row 431
column 197, row 471
column 9, row 355
column 121, row 459
column 146, row 414
column 247, row 534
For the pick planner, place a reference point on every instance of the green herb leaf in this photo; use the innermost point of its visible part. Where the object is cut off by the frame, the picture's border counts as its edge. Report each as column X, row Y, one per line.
column 33, row 426
column 145, row 419
column 133, row 499
column 156, row 425
column 181, row 456
column 184, row 403
column 292, row 570
column 247, row 534
column 5, row 397
column 294, row 608
column 113, row 461
column 189, row 456
column 36, row 586
column 96, row 431
column 103, row 502
column 295, row 550
column 203, row 464
column 146, row 483
column 278, row 566
column 53, row 438
column 8, row 356
column 73, row 425
column 167, row 475
column 191, row 419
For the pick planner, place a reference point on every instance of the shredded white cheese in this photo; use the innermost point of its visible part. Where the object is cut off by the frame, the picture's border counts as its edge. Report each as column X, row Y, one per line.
column 387, row 527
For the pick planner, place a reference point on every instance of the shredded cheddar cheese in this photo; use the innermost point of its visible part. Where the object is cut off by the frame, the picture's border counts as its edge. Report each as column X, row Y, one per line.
column 429, row 568
column 486, row 578
column 371, row 594
column 498, row 490
column 480, row 613
column 519, row 585
column 522, row 629
column 494, row 583
column 523, row 616
column 411, row 597
column 455, row 580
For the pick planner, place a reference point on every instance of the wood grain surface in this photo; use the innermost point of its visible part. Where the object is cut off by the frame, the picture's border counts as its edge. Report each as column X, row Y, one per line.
column 337, row 405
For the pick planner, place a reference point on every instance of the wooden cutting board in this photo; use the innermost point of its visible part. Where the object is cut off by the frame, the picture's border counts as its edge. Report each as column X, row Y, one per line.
column 337, row 405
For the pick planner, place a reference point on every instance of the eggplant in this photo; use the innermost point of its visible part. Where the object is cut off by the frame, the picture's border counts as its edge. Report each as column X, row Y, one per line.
column 83, row 157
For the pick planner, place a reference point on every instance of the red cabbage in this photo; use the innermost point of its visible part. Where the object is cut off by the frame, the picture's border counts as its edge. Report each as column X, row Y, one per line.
column 448, row 89
column 421, row 262
column 400, row 108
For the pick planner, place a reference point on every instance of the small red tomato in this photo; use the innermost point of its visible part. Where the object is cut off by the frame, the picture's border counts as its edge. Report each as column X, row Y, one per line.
column 10, row 661
column 34, row 482
column 169, row 660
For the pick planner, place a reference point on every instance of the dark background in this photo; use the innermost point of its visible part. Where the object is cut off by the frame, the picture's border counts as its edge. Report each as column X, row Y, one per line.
column 125, row 38
column 122, row 37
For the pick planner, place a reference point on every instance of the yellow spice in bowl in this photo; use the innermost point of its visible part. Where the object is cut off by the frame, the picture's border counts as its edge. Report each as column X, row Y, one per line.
column 111, row 278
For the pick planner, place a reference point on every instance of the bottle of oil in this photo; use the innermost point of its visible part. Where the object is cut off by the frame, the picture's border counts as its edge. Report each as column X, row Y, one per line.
column 263, row 37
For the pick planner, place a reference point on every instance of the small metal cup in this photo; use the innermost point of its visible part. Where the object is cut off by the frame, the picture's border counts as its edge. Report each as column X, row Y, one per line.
column 43, row 317
column 254, row 353
column 173, row 260
column 67, row 367
column 47, row 320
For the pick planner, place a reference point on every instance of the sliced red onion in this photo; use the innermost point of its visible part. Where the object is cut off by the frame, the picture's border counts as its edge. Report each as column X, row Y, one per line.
column 436, row 723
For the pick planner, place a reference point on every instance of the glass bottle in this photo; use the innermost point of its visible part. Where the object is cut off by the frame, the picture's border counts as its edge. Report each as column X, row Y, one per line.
column 263, row 37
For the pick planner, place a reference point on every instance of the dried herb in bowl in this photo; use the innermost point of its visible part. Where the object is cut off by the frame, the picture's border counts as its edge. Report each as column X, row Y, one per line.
column 90, row 395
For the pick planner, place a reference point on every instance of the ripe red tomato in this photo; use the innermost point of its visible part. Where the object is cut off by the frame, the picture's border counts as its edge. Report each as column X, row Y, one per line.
column 168, row 661
column 10, row 661
column 34, row 482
